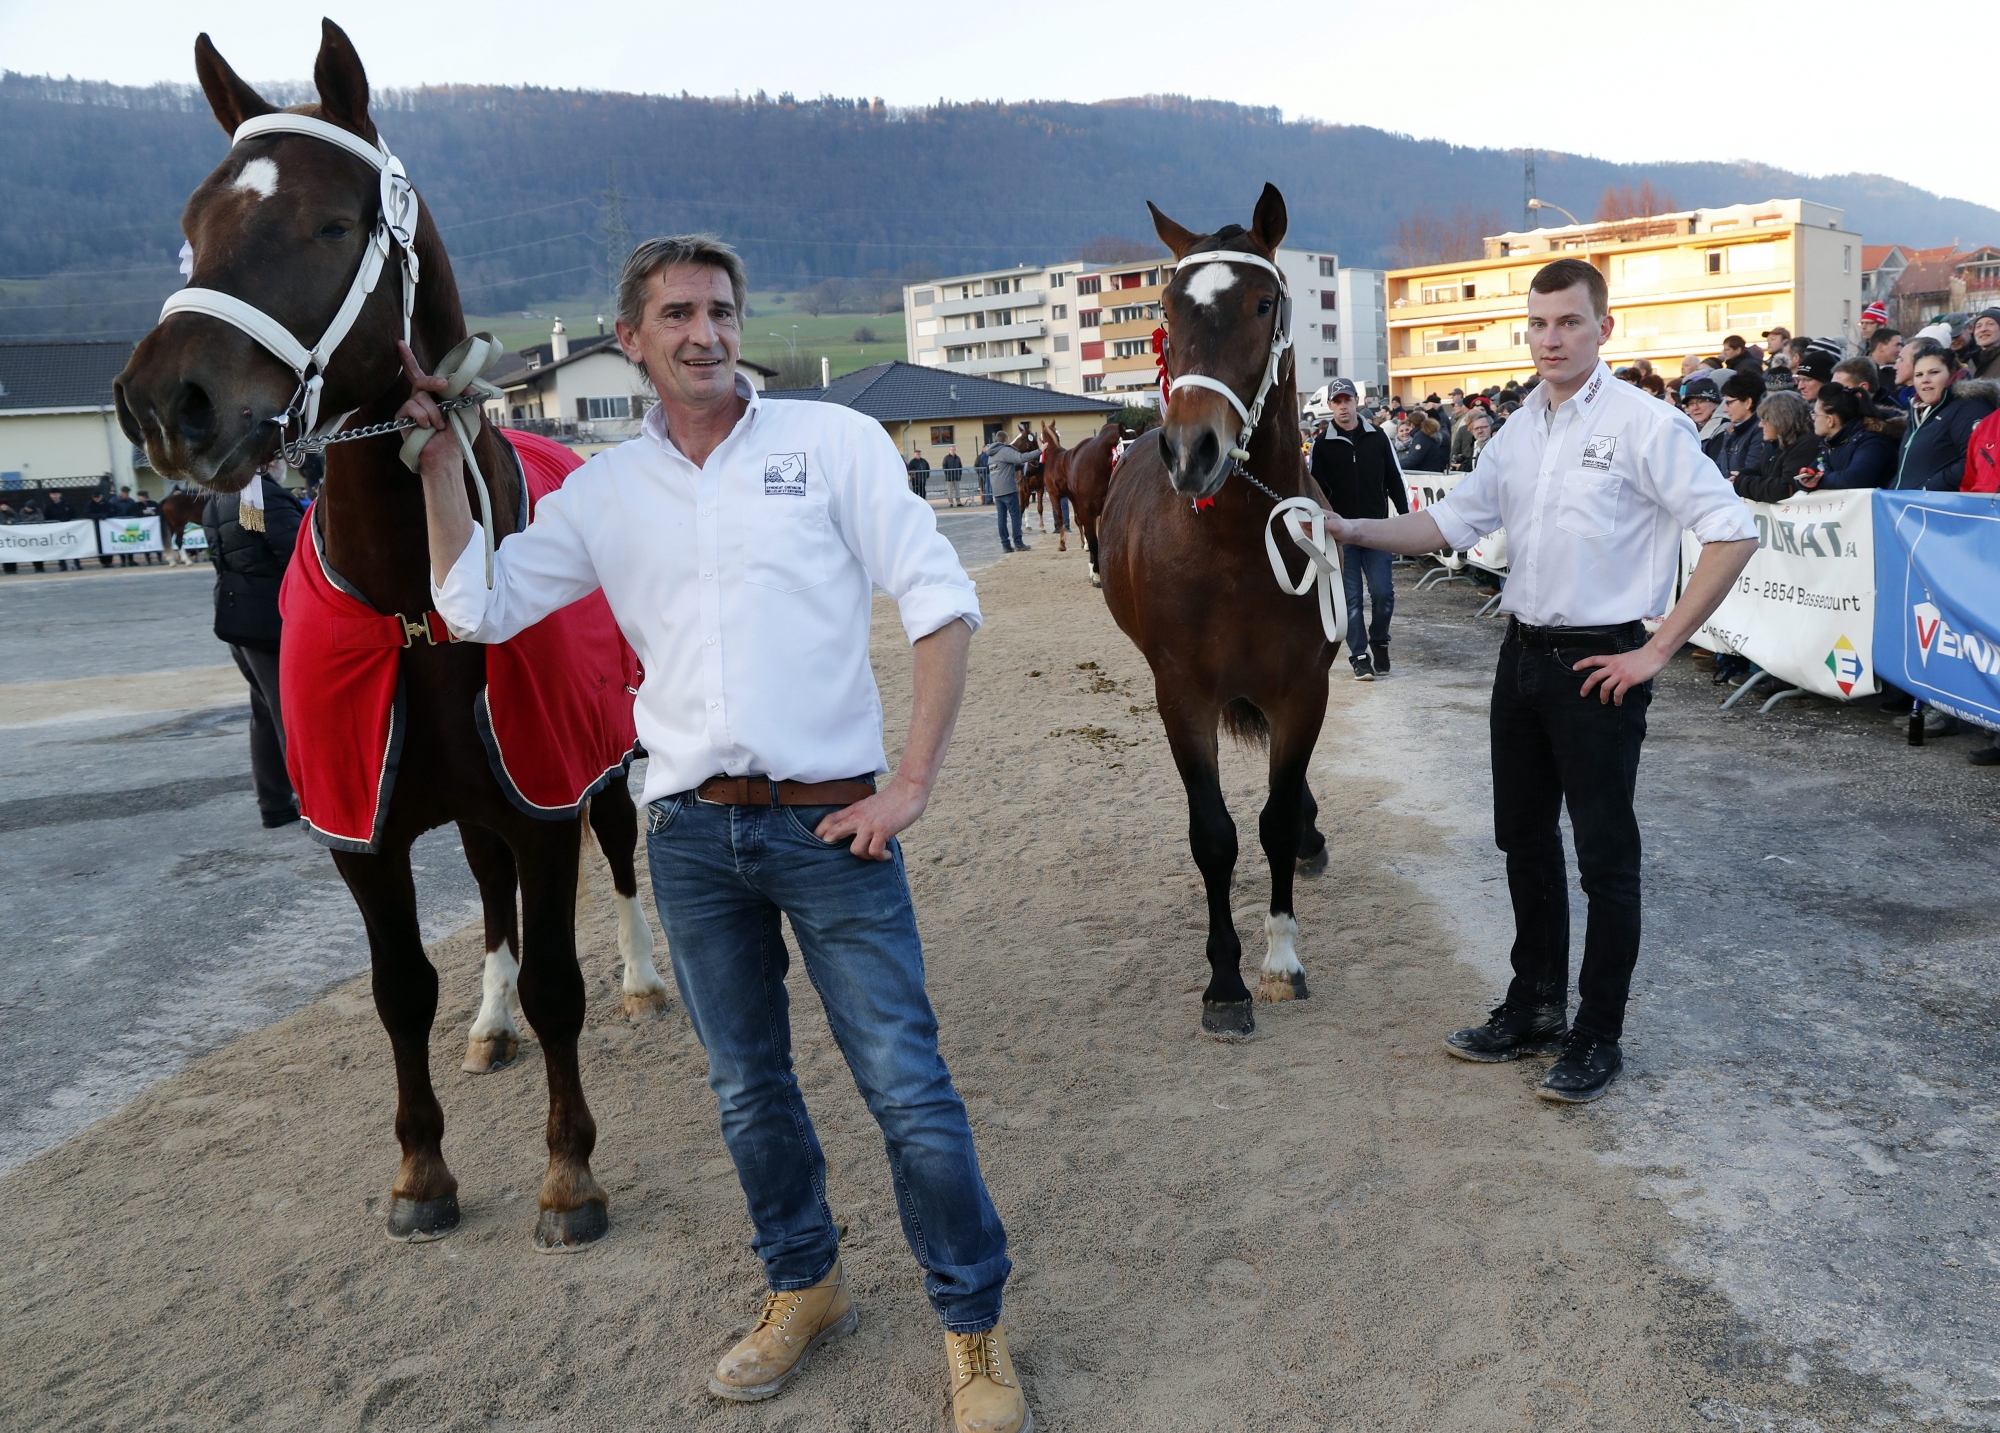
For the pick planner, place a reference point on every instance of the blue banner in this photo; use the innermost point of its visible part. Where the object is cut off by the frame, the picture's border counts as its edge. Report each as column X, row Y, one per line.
column 1937, row 599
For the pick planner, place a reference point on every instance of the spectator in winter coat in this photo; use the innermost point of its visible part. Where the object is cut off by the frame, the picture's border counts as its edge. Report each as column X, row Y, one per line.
column 249, row 566
column 1743, row 448
column 1355, row 468
column 1793, row 450
column 1004, row 463
column 1426, row 447
column 920, row 475
column 1984, row 360
column 1701, row 400
column 1854, row 450
column 1874, row 318
column 954, row 468
column 985, row 475
column 1942, row 417
column 57, row 509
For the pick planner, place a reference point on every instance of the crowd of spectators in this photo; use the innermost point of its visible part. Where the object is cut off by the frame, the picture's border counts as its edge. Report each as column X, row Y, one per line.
column 55, row 506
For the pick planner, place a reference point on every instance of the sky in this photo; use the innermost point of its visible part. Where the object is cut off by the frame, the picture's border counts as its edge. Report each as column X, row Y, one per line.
column 1620, row 81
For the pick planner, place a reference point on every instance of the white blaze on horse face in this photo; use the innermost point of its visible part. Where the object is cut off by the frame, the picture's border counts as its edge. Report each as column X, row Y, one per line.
column 1211, row 282
column 1281, row 934
column 259, row 177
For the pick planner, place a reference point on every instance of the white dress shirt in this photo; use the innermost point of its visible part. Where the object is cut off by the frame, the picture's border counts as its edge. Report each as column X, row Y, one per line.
column 743, row 585
column 1594, row 498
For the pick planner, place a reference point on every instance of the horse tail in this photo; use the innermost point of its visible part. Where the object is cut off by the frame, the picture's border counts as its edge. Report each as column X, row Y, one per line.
column 1246, row 722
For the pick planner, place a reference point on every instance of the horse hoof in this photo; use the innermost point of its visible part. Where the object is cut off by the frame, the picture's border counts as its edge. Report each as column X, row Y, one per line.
column 1095, row 580
column 642, row 1005
column 1228, row 1019
column 564, row 1231
column 1062, row 544
column 419, row 1221
column 486, row 1053
column 1283, row 987
column 1313, row 865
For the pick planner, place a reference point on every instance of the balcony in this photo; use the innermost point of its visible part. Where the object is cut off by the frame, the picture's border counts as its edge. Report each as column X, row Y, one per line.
column 1012, row 363
column 1027, row 298
column 959, row 337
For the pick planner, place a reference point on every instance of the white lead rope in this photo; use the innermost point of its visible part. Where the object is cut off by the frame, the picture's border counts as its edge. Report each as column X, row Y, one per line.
column 462, row 368
column 1305, row 521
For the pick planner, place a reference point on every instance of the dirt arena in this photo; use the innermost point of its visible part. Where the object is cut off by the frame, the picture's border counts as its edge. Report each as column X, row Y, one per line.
column 1329, row 1227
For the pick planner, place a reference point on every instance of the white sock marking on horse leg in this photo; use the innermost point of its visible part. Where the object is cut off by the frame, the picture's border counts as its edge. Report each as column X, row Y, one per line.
column 635, row 943
column 259, row 177
column 1211, row 282
column 1281, row 958
column 496, row 1003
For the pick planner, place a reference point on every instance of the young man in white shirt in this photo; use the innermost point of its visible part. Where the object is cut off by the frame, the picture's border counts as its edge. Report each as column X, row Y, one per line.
column 737, row 541
column 1594, row 481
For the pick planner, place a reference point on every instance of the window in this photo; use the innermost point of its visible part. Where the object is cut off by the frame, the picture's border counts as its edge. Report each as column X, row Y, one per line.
column 1641, row 268
column 599, row 409
column 1002, row 317
column 941, row 435
column 1329, row 332
column 1094, row 283
column 1062, row 343
column 1057, row 280
column 1451, row 342
column 922, row 297
column 1092, row 350
column 965, row 291
column 1469, row 291
column 926, row 327
column 1089, row 318
column 1093, row 383
column 1847, row 258
column 1329, row 368
column 1518, row 336
column 1328, row 299
column 1440, row 293
column 1328, row 268
column 1714, row 257
column 1846, row 312
column 1131, row 347
column 1059, row 310
column 1135, row 313
column 1752, row 258
column 1021, row 349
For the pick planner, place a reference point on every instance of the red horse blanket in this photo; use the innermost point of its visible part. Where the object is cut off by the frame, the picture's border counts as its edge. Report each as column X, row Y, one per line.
column 555, row 713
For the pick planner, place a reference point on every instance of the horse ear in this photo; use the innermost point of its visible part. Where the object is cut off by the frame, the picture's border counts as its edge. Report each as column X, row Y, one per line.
column 1177, row 239
column 1268, row 225
column 342, row 83
column 232, row 100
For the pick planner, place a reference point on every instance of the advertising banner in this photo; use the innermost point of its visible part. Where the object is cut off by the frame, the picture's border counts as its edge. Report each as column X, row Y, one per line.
column 128, row 534
column 194, row 538
column 1804, row 609
column 1424, row 489
column 1937, row 619
column 48, row 541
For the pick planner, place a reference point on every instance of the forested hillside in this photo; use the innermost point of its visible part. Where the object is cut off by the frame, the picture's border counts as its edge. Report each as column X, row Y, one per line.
column 92, row 178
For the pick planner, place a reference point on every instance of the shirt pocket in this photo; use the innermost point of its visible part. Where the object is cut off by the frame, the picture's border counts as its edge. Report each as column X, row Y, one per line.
column 1588, row 506
column 788, row 543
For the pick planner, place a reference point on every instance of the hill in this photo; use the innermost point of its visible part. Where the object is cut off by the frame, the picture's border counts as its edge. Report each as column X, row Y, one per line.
column 93, row 177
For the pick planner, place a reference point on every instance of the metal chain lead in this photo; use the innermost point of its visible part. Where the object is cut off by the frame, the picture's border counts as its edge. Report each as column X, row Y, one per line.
column 295, row 453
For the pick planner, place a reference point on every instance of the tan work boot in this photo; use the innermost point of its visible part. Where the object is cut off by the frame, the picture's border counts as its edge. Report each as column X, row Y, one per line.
column 792, row 1326
column 986, row 1397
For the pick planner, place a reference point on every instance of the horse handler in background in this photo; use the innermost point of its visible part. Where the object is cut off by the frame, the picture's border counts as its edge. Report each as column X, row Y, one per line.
column 1594, row 481
column 1355, row 466
column 250, row 543
column 736, row 541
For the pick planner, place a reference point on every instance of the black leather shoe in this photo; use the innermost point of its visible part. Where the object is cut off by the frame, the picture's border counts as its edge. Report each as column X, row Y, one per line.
column 1508, row 1034
column 1381, row 651
column 1585, row 1071
column 274, row 819
column 1985, row 755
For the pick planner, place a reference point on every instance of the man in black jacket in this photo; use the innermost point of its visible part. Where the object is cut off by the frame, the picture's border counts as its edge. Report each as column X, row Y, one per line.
column 56, row 508
column 249, row 566
column 1355, row 466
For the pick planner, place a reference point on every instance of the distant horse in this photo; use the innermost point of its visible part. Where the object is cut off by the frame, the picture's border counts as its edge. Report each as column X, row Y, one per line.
column 1055, row 483
column 1188, row 578
column 1087, row 471
column 211, row 401
column 179, row 510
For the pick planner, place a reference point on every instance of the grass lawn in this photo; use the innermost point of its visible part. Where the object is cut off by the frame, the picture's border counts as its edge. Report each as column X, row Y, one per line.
column 830, row 335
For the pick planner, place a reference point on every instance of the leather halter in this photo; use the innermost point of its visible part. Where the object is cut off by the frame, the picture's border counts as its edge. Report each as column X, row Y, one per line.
column 1281, row 339
column 396, row 223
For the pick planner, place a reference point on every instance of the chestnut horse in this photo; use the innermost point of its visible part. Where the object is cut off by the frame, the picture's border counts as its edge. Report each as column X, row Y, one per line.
column 1087, row 477
column 1193, row 588
column 178, row 509
column 284, row 226
column 1055, row 483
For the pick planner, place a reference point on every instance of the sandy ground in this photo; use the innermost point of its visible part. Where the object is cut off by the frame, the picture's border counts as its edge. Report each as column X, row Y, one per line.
column 1332, row 1226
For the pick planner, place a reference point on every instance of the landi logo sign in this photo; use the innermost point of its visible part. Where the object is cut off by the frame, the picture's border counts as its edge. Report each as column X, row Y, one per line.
column 132, row 534
column 1934, row 634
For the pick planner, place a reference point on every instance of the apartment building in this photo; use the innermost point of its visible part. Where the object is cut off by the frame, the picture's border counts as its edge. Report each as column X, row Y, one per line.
column 1680, row 283
column 1080, row 327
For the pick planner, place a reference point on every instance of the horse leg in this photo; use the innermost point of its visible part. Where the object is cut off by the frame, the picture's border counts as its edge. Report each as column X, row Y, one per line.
column 574, row 1209
column 494, row 1040
column 1281, row 828
column 1090, row 546
column 1225, row 1004
column 615, row 822
column 1312, row 845
column 423, row 1202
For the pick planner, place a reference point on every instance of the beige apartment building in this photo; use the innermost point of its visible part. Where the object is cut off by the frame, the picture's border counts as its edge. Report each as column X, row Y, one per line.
column 1680, row 283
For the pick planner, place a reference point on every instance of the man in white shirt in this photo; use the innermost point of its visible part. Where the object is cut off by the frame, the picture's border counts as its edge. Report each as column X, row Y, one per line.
column 1594, row 481
column 736, row 541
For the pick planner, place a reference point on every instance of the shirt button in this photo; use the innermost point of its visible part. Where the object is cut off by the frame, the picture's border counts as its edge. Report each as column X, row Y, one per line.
column 713, row 705
column 708, row 574
column 711, row 641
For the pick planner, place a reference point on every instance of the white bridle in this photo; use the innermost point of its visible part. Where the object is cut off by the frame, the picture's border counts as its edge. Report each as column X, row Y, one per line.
column 1281, row 339
column 397, row 223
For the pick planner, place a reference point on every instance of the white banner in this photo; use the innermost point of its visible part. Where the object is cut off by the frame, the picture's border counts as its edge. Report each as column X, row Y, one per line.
column 1804, row 609
column 1423, row 489
column 194, row 538
column 128, row 534
column 48, row 541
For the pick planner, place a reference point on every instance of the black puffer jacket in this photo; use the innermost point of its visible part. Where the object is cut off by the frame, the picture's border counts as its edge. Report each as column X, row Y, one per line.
column 249, row 566
column 1777, row 479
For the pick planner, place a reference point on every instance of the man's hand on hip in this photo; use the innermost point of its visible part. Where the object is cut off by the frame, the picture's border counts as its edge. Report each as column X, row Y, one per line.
column 1617, row 675
column 876, row 821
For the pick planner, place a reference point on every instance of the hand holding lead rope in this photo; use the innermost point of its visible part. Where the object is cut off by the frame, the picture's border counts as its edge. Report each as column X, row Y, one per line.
column 460, row 371
column 1305, row 522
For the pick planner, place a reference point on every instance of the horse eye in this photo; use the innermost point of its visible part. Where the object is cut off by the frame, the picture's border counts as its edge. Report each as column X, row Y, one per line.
column 1263, row 307
column 334, row 230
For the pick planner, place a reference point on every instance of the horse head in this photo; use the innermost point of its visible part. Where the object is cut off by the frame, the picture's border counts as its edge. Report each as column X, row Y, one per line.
column 1223, row 320
column 284, row 225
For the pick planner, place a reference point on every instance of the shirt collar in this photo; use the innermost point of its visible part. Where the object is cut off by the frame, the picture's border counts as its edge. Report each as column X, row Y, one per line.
column 654, row 424
column 1587, row 397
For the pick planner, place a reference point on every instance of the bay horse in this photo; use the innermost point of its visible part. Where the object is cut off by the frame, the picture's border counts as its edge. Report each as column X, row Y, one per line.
column 280, row 231
column 1087, row 477
column 1055, row 482
column 178, row 509
column 1186, row 576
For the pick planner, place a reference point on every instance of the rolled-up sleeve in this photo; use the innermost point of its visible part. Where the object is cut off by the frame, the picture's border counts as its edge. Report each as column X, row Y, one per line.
column 1689, row 486
column 1472, row 509
column 534, row 573
column 895, row 535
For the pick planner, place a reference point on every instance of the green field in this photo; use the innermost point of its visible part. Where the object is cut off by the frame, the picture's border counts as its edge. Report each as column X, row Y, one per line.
column 830, row 335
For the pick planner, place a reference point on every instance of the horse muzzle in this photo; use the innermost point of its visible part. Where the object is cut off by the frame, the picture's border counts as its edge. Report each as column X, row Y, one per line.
column 200, row 407
column 1195, row 441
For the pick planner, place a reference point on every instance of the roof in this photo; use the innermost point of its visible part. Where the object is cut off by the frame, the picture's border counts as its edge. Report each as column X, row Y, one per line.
column 898, row 392
column 1873, row 256
column 60, row 373
column 1929, row 270
column 514, row 372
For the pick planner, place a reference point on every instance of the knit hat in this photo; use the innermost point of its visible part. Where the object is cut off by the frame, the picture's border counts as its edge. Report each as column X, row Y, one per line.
column 1877, row 312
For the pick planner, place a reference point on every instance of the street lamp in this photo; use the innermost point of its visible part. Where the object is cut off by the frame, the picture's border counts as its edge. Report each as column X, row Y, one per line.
column 1544, row 204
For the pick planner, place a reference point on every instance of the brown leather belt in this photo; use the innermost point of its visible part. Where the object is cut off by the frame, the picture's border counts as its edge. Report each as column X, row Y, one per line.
column 762, row 791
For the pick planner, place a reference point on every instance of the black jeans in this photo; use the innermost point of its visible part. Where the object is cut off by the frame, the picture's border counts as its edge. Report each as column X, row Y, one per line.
column 267, row 732
column 1550, row 746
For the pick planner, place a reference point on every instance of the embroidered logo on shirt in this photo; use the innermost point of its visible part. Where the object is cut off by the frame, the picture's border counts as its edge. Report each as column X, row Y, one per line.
column 785, row 475
column 1590, row 393
column 1597, row 453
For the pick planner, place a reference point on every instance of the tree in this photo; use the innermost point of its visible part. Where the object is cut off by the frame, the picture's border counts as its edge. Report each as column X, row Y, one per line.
column 1117, row 249
column 1423, row 238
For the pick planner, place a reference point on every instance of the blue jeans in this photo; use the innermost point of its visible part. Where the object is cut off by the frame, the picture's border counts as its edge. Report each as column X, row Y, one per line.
column 1009, row 505
column 722, row 875
column 1374, row 564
